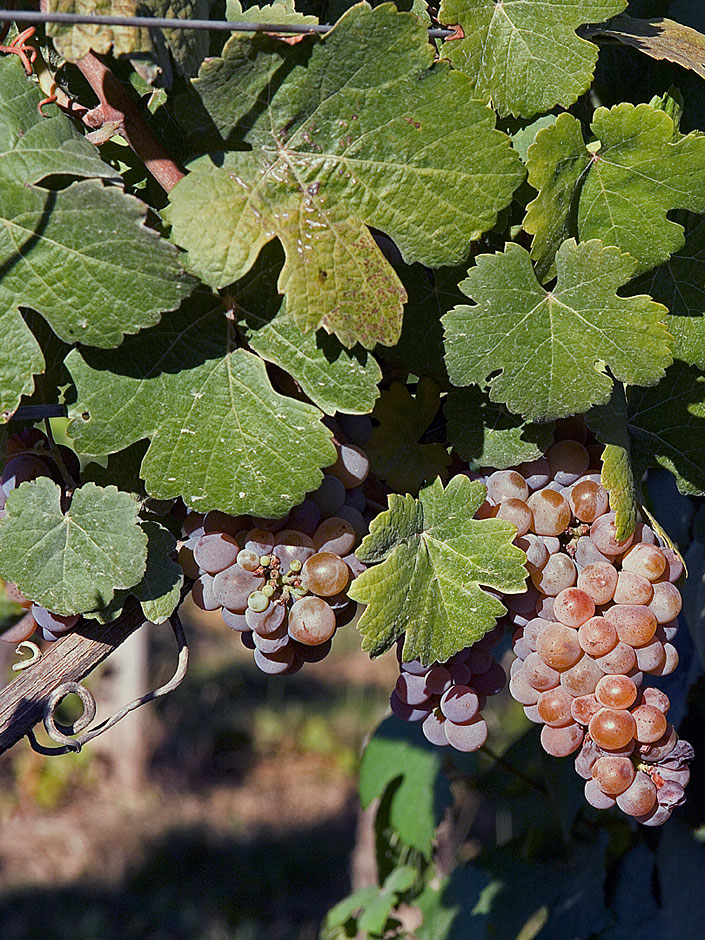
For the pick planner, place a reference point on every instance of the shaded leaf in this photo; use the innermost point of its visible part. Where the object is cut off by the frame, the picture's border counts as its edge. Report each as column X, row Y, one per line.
column 487, row 435
column 220, row 436
column 358, row 128
column 432, row 560
column 607, row 421
column 524, row 55
column 396, row 456
column 552, row 348
column 659, row 38
column 73, row 561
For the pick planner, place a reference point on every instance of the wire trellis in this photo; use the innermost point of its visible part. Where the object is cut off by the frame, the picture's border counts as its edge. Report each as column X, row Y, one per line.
column 154, row 22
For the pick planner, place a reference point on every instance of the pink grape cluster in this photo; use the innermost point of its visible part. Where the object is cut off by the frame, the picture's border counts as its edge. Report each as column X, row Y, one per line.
column 31, row 455
column 448, row 698
column 283, row 584
column 599, row 613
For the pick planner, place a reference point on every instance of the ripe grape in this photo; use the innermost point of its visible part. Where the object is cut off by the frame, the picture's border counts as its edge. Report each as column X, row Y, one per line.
column 351, row 466
column 236, row 621
column 573, row 607
column 215, row 551
column 551, row 512
column 433, row 727
column 586, row 553
column 491, row 682
column 588, row 500
column 666, row 603
column 652, row 657
column 233, row 586
column 325, row 574
column 558, row 574
column 311, row 621
column 55, row 623
column 568, row 461
column 603, row 534
column 597, row 636
column 560, row 742
column 633, row 588
column 202, row 593
column 583, row 707
column 329, row 496
column 460, row 704
column 539, row 675
column 599, row 580
column 265, row 622
column 635, row 624
column 581, row 678
column 274, row 664
column 651, row 724
column 517, row 512
column 596, row 797
column 536, row 552
column 647, row 560
column 616, row 691
column 554, row 707
column 657, row 698
column 520, row 689
column 613, row 774
column 506, row 484
column 612, row 728
column 619, row 661
column 639, row 797
column 537, row 473
column 467, row 737
column 334, row 535
column 558, row 646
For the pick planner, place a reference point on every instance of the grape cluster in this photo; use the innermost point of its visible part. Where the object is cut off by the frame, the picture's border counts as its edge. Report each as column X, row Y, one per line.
column 283, row 585
column 448, row 698
column 31, row 455
column 598, row 614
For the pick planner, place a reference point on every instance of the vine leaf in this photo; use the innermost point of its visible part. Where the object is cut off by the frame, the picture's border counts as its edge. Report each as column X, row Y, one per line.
column 487, row 435
column 552, row 348
column 680, row 285
column 399, row 754
column 73, row 561
column 619, row 188
column 432, row 559
column 333, row 134
column 609, row 424
column 526, row 56
column 278, row 11
column 92, row 284
column 220, row 436
column 393, row 448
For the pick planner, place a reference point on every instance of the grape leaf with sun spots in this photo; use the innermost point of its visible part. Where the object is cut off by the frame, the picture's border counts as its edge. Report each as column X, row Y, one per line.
column 317, row 141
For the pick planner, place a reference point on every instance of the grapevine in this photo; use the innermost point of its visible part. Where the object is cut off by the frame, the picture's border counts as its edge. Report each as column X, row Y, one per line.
column 333, row 317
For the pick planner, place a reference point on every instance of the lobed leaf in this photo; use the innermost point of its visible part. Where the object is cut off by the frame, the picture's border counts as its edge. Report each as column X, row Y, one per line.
column 552, row 348
column 433, row 559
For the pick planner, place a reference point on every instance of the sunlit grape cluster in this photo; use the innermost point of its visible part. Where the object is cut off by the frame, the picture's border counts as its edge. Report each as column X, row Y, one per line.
column 448, row 698
column 599, row 613
column 283, row 584
column 30, row 455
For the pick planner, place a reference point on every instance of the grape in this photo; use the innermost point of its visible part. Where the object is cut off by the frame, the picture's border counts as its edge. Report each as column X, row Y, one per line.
column 671, row 662
column 558, row 646
column 551, row 512
column 305, row 517
column 459, row 673
column 490, row 682
column 259, row 541
column 539, row 675
column 635, row 624
column 274, row 664
column 356, row 567
column 666, row 603
column 433, row 728
column 412, row 689
column 13, row 594
column 586, row 757
column 479, row 661
column 573, row 607
column 588, row 501
column 612, row 728
column 554, row 707
column 603, row 534
column 356, row 499
column 568, row 461
column 311, row 621
column 651, row 724
column 595, row 796
column 490, row 639
column 536, row 552
column 506, row 484
column 586, row 553
column 583, row 707
column 56, row 623
column 334, row 535
column 217, row 521
column 616, row 691
column 414, row 667
column 669, row 629
column 438, row 680
column 355, row 518
column 599, row 581
column 613, row 774
column 581, row 678
column 407, row 712
column 544, row 608
column 235, row 621
column 597, row 636
column 531, row 712
column 647, row 560
column 632, row 588
column 517, row 512
column 520, row 689
column 639, row 797
column 202, row 593
column 356, row 427
column 329, row 496
column 325, row 574
column 537, row 473
column 674, row 566
column 193, row 525
column 618, row 661
column 560, row 742
column 524, row 603
column 215, row 551
column 460, row 704
column 656, row 816
column 651, row 657
column 248, row 559
column 351, row 467
column 558, row 574
column 532, row 632
column 233, row 586
column 21, row 469
column 657, row 698
column 661, row 749
column 267, row 621
column 274, row 642
column 467, row 737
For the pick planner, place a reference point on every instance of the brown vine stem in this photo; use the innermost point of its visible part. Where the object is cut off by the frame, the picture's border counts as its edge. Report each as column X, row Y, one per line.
column 69, row 659
column 118, row 107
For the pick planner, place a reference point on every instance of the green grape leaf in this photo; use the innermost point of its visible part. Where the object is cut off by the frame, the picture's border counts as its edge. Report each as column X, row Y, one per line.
column 487, row 435
column 607, row 421
column 349, row 131
column 665, row 426
column 220, row 436
column 553, row 348
column 121, row 468
column 334, row 378
column 73, row 561
column 278, row 11
column 525, row 55
column 680, row 285
column 393, row 448
column 433, row 558
column 159, row 591
column 398, row 754
column 618, row 189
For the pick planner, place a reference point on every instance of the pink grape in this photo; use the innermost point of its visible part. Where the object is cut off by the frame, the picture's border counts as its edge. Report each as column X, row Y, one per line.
column 467, row 737
column 573, row 607
column 560, row 742
column 603, row 534
column 599, row 581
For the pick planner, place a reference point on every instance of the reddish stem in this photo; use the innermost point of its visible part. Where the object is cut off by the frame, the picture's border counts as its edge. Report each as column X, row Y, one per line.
column 116, row 104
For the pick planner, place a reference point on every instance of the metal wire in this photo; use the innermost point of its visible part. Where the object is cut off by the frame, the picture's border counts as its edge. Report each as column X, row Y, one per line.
column 28, row 16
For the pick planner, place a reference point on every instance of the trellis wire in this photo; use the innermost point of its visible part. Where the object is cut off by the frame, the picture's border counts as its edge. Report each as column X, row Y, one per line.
column 154, row 22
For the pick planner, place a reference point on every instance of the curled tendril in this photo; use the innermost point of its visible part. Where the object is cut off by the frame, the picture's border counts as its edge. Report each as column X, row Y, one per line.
column 34, row 657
